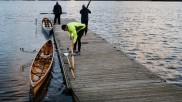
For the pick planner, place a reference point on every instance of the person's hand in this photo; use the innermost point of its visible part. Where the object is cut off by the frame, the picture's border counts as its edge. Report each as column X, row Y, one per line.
column 71, row 38
column 68, row 48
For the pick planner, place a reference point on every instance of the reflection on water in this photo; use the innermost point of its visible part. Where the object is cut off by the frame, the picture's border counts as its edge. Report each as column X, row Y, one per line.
column 149, row 32
column 42, row 91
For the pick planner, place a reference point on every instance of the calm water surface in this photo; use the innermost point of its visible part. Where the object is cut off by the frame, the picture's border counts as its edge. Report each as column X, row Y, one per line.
column 149, row 32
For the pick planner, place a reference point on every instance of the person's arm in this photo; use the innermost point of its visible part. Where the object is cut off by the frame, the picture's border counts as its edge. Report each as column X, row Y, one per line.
column 60, row 10
column 53, row 10
column 81, row 11
column 75, row 38
column 72, row 33
column 88, row 11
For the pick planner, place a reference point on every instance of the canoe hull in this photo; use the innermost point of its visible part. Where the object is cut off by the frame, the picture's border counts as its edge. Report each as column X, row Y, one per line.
column 41, row 66
column 47, row 26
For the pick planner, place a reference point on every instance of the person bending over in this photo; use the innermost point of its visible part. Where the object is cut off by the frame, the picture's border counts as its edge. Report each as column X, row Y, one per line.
column 75, row 32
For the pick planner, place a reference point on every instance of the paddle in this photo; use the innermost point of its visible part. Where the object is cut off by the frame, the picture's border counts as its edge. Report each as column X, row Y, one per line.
column 46, row 13
column 72, row 54
column 88, row 3
column 53, row 13
column 71, row 68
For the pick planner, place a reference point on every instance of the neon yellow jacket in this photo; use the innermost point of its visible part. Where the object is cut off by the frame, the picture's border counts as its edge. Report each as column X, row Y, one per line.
column 74, row 28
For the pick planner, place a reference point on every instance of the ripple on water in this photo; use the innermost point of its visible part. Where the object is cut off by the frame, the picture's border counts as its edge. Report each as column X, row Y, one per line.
column 175, row 78
column 171, row 67
column 170, row 58
column 161, row 64
column 148, row 62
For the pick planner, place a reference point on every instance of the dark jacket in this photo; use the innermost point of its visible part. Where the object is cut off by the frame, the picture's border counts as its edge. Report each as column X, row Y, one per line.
column 57, row 9
column 84, row 13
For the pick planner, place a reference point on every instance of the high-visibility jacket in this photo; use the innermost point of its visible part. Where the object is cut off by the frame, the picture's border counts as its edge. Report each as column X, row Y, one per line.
column 74, row 28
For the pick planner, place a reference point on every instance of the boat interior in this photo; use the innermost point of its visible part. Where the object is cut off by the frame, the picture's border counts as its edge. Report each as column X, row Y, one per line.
column 46, row 22
column 42, row 62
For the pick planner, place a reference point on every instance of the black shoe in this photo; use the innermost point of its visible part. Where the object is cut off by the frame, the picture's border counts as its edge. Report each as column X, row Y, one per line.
column 76, row 53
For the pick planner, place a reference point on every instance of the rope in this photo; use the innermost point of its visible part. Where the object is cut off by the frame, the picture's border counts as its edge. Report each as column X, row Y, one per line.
column 22, row 49
column 24, row 66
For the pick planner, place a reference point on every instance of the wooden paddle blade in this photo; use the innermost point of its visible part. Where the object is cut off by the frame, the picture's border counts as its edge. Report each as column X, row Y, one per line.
column 72, row 54
column 73, row 62
column 72, row 73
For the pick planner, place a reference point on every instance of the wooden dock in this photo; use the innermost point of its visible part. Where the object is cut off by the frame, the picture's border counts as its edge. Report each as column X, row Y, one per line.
column 105, row 74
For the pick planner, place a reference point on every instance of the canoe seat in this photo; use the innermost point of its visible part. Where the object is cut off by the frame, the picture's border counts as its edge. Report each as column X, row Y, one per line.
column 46, row 22
column 37, row 64
column 35, row 79
column 40, row 62
column 41, row 68
column 38, row 73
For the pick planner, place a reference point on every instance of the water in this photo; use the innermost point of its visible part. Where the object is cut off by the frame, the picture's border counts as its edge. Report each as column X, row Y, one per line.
column 149, row 32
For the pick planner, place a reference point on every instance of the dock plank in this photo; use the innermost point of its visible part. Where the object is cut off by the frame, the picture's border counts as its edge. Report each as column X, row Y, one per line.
column 105, row 74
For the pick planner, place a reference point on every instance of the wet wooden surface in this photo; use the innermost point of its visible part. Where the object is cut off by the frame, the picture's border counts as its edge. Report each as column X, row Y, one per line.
column 105, row 74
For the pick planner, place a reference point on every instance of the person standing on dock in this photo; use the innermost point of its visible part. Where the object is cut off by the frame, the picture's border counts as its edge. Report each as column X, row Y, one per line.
column 84, row 16
column 75, row 32
column 57, row 10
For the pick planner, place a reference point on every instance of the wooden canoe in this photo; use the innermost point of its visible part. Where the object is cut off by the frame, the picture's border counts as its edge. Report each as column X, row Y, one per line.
column 41, row 66
column 47, row 26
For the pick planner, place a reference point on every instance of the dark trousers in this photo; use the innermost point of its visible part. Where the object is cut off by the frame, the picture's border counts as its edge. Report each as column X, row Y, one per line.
column 86, row 23
column 57, row 16
column 80, row 34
